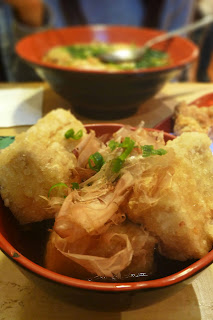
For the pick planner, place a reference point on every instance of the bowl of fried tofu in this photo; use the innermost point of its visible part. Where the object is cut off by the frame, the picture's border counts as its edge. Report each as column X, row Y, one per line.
column 106, row 216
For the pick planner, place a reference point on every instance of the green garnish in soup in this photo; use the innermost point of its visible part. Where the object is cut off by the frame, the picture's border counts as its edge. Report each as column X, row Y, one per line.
column 153, row 58
column 84, row 51
column 85, row 56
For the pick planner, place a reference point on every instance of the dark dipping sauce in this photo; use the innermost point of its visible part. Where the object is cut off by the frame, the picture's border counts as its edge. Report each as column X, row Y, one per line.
column 30, row 240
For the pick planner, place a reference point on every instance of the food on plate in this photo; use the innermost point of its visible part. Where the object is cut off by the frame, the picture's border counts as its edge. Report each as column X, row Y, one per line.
column 39, row 158
column 189, row 118
column 173, row 198
column 114, row 201
column 91, row 227
column 85, row 56
column 161, row 194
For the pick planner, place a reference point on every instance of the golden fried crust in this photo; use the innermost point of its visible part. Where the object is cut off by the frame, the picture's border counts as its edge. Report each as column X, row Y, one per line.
column 190, row 118
column 173, row 198
column 38, row 159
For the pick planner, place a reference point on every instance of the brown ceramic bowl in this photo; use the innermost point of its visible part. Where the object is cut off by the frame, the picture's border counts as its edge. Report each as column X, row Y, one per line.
column 24, row 249
column 100, row 94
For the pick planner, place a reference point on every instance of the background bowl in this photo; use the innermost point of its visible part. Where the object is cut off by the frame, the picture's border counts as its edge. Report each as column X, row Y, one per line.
column 100, row 94
column 24, row 249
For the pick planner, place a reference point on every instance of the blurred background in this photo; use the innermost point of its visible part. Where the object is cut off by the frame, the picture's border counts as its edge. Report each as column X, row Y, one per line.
column 19, row 18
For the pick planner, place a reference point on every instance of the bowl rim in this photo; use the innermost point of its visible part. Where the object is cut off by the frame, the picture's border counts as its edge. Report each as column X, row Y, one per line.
column 46, row 274
column 19, row 49
column 42, row 272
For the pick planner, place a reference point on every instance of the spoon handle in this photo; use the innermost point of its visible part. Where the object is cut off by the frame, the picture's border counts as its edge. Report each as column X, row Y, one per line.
column 190, row 27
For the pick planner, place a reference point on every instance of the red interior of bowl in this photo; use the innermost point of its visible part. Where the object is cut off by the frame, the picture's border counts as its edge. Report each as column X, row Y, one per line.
column 168, row 123
column 9, row 232
column 204, row 101
column 32, row 48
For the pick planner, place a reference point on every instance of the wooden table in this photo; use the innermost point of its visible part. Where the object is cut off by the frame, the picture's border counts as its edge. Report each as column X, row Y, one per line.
column 22, row 300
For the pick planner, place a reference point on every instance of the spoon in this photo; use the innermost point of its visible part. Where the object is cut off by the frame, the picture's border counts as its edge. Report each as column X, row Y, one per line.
column 134, row 54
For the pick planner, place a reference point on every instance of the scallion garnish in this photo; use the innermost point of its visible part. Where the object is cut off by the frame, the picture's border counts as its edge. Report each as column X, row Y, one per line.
column 71, row 134
column 96, row 161
column 128, row 145
column 148, row 150
column 113, row 144
column 117, row 164
column 57, row 185
column 75, row 185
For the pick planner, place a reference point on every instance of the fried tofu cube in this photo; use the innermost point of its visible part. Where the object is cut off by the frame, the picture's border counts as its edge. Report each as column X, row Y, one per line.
column 173, row 197
column 35, row 161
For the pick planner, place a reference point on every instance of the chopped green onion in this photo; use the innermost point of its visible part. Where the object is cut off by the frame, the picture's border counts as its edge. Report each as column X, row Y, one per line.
column 128, row 144
column 57, row 185
column 113, row 144
column 71, row 134
column 148, row 150
column 75, row 185
column 117, row 164
column 160, row 152
column 96, row 161
column 85, row 51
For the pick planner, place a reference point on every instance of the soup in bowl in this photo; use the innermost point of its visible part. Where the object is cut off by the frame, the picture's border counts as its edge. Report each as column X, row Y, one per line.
column 88, row 57
column 94, row 91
